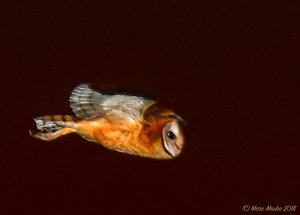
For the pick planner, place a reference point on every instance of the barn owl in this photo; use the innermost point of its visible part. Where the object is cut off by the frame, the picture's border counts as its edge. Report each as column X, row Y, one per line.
column 119, row 121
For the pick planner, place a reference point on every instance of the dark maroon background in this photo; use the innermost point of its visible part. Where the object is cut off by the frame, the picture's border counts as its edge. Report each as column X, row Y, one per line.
column 229, row 68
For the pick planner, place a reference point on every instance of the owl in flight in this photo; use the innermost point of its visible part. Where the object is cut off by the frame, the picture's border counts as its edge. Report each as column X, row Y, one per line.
column 122, row 122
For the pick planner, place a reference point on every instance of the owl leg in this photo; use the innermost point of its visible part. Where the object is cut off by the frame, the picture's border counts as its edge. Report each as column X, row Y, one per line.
column 49, row 135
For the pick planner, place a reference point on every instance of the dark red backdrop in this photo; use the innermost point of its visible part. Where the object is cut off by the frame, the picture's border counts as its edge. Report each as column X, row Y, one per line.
column 230, row 69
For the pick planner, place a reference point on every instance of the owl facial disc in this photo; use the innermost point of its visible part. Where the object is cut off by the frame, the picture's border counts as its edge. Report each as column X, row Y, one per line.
column 172, row 138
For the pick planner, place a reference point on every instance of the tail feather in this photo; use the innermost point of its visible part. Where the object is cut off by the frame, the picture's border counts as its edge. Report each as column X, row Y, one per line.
column 51, row 127
column 55, row 122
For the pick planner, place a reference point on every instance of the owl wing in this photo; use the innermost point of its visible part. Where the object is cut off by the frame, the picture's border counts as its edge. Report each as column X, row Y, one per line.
column 88, row 103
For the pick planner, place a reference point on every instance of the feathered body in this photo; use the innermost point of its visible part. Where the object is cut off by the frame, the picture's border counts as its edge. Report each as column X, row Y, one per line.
column 126, row 123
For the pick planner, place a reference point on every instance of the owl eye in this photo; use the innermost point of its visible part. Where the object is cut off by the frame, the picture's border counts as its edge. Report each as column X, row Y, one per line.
column 171, row 135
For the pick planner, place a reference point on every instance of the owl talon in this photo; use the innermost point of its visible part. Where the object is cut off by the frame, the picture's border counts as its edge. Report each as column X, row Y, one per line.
column 48, row 135
column 41, row 135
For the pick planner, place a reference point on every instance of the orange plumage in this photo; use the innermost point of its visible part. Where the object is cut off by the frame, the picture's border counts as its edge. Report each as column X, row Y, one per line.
column 120, row 122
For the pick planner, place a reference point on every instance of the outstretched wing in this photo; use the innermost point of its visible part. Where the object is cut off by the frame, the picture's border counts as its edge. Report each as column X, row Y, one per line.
column 88, row 103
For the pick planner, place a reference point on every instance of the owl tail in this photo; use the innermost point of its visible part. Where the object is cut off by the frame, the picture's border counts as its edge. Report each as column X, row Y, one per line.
column 52, row 127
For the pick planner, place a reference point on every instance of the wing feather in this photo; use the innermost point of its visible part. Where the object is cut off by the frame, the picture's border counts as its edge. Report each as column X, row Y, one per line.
column 88, row 103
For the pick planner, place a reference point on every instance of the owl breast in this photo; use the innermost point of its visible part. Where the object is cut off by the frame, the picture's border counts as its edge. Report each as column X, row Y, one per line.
column 121, row 135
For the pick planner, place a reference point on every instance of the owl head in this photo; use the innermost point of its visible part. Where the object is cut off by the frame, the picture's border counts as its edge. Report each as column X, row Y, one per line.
column 167, row 128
